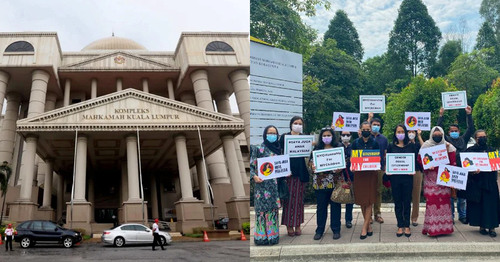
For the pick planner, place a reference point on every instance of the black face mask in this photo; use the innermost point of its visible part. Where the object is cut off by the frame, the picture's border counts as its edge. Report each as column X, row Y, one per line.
column 482, row 141
column 437, row 139
column 365, row 134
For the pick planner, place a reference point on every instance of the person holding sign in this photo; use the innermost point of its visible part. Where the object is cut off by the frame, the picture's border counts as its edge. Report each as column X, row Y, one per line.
column 438, row 220
column 402, row 185
column 365, row 184
column 266, row 196
column 293, row 207
column 323, row 184
column 345, row 138
column 483, row 203
column 417, row 178
column 460, row 143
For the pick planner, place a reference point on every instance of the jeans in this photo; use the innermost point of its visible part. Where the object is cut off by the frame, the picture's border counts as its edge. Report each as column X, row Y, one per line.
column 348, row 212
column 461, row 208
column 402, row 188
column 323, row 199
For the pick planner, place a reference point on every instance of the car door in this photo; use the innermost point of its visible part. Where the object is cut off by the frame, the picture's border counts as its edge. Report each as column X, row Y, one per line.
column 144, row 234
column 129, row 233
column 51, row 231
column 36, row 229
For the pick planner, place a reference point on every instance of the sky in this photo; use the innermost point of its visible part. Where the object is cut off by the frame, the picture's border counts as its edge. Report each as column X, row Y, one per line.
column 156, row 25
column 374, row 19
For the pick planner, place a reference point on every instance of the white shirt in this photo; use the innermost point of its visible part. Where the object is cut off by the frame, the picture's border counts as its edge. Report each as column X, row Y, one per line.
column 155, row 228
column 9, row 231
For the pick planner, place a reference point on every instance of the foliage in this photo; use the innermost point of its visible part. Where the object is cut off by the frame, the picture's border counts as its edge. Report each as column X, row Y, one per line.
column 421, row 95
column 343, row 31
column 486, row 39
column 486, row 113
column 246, row 228
column 81, row 230
column 448, row 53
column 414, row 40
column 381, row 78
column 5, row 173
column 86, row 237
column 199, row 230
column 194, row 235
column 490, row 11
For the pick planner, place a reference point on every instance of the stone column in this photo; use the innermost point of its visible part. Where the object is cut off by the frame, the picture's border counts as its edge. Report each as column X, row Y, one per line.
column 50, row 101
column 183, row 166
column 154, row 198
column 170, row 87
column 133, row 169
column 234, row 169
column 81, row 169
column 47, row 187
column 60, row 196
column 241, row 164
column 119, row 84
column 91, row 198
column 67, row 92
column 202, row 181
column 4, row 80
column 28, row 171
column 194, row 179
column 93, row 88
column 145, row 85
column 40, row 79
column 124, row 187
column 8, row 131
column 188, row 98
column 239, row 79
column 202, row 89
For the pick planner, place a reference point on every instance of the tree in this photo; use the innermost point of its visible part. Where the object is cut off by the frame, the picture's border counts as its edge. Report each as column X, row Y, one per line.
column 414, row 40
column 448, row 53
column 422, row 95
column 382, row 78
column 343, row 31
column 459, row 31
column 486, row 114
column 490, row 11
column 5, row 173
column 279, row 23
column 486, row 39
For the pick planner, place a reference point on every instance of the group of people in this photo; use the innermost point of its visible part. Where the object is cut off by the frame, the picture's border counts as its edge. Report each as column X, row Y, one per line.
column 478, row 205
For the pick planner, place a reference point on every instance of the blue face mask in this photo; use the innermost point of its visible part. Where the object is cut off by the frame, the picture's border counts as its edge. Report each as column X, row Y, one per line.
column 271, row 138
column 454, row 135
column 375, row 129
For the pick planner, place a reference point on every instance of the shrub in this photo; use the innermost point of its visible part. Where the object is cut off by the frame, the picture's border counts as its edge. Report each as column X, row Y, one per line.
column 81, row 230
column 246, row 228
column 194, row 235
column 199, row 230
column 86, row 237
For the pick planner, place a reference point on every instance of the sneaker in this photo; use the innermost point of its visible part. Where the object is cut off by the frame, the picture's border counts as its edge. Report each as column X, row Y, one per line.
column 463, row 220
column 348, row 224
column 493, row 233
column 337, row 235
column 317, row 236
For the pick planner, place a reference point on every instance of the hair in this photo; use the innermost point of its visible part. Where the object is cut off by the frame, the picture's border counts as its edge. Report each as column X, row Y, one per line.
column 395, row 139
column 321, row 145
column 454, row 125
column 478, row 131
column 364, row 123
column 376, row 120
column 297, row 118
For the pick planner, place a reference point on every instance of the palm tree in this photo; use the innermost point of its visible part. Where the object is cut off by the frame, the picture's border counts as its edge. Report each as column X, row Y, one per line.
column 5, row 172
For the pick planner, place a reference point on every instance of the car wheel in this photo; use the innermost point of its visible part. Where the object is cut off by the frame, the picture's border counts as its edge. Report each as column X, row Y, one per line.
column 119, row 242
column 68, row 242
column 224, row 226
column 26, row 242
column 163, row 241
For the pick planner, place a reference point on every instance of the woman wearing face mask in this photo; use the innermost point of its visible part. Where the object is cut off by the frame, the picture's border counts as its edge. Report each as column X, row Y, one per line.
column 345, row 138
column 438, row 219
column 293, row 207
column 402, row 185
column 483, row 210
column 266, row 196
column 365, row 184
column 417, row 178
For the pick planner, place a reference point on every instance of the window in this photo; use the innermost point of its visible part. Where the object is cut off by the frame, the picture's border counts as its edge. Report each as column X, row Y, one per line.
column 219, row 46
column 36, row 225
column 20, row 46
column 140, row 228
column 48, row 226
column 128, row 228
column 23, row 225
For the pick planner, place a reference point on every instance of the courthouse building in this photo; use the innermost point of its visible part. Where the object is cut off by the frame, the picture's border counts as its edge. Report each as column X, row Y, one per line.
column 115, row 115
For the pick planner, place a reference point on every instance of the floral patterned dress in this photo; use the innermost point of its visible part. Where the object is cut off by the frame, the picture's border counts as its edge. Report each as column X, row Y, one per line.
column 266, row 201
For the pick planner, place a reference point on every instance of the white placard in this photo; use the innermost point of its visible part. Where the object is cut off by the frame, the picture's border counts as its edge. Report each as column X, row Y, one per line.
column 329, row 159
column 346, row 121
column 373, row 104
column 298, row 146
column 452, row 176
column 434, row 156
column 475, row 161
column 418, row 120
column 400, row 164
column 454, row 100
column 273, row 166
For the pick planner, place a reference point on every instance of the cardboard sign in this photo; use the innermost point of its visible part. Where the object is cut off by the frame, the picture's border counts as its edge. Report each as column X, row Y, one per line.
column 346, row 121
column 494, row 160
column 454, row 100
column 434, row 156
column 418, row 120
column 375, row 104
column 400, row 164
column 329, row 159
column 298, row 146
column 475, row 161
column 274, row 167
column 452, row 176
column 365, row 160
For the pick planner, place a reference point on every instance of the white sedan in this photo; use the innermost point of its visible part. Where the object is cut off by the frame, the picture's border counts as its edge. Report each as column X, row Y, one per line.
column 132, row 234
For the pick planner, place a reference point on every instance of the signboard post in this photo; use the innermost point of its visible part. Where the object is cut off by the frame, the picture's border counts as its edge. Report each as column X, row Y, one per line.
column 298, row 146
column 418, row 120
column 400, row 164
column 274, row 166
column 346, row 121
column 329, row 159
column 374, row 104
column 454, row 100
column 452, row 176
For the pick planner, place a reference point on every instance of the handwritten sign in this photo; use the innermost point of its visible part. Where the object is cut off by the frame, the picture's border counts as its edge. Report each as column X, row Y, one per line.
column 329, row 159
column 298, row 146
column 274, row 166
column 365, row 160
column 494, row 160
column 475, row 161
column 375, row 104
column 397, row 164
column 418, row 120
column 452, row 176
column 434, row 156
column 346, row 121
column 454, row 100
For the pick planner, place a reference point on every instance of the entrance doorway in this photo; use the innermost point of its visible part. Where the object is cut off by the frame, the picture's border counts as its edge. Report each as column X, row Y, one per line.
column 105, row 215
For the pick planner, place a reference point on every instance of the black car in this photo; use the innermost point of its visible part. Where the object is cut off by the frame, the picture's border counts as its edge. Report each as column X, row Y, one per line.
column 222, row 223
column 32, row 232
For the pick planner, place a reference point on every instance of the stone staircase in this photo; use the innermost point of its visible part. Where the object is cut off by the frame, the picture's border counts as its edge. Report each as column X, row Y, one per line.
column 97, row 228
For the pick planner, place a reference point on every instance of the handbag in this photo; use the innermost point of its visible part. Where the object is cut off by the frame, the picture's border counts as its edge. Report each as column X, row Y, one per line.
column 283, row 191
column 343, row 192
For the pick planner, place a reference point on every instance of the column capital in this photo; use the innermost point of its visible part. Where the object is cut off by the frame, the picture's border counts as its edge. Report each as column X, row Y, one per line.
column 221, row 95
column 31, row 138
column 199, row 74
column 4, row 77
column 82, row 137
column 49, row 160
column 180, row 136
column 131, row 138
column 94, row 79
column 238, row 75
column 226, row 136
column 40, row 75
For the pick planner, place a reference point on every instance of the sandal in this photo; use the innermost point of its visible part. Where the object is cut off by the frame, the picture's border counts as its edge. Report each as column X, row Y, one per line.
column 298, row 231
column 291, row 233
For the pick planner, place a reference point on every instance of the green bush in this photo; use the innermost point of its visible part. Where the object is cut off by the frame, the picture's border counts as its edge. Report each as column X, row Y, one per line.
column 86, row 237
column 194, row 235
column 81, row 230
column 199, row 230
column 246, row 228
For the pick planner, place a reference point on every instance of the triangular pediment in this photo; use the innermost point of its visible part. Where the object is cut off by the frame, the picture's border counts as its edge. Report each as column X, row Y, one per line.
column 117, row 61
column 130, row 109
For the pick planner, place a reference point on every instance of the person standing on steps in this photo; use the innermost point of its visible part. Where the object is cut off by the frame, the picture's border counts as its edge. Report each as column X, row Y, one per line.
column 156, row 236
column 9, row 234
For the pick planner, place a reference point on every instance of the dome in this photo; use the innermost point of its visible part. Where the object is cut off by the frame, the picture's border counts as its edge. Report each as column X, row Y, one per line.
column 114, row 43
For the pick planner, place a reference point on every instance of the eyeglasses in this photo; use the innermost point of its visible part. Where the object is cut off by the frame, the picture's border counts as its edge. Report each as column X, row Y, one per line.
column 345, row 135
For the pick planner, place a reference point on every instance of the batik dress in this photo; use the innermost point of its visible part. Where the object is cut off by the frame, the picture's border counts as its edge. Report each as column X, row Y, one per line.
column 266, row 201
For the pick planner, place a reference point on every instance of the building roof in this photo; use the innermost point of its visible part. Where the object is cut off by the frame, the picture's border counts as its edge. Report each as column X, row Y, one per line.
column 114, row 43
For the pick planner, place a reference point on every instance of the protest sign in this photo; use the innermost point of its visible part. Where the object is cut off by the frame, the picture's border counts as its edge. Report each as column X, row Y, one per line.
column 400, row 164
column 454, row 100
column 434, row 156
column 374, row 104
column 298, row 146
column 418, row 120
column 475, row 161
column 365, row 160
column 346, row 121
column 452, row 176
column 329, row 159
column 494, row 160
column 274, row 166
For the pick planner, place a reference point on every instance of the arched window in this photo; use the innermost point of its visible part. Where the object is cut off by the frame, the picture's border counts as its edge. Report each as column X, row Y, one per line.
column 218, row 46
column 20, row 46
